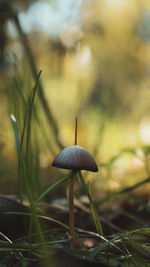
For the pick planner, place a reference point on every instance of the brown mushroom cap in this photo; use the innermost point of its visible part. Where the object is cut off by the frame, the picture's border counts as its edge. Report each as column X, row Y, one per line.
column 75, row 158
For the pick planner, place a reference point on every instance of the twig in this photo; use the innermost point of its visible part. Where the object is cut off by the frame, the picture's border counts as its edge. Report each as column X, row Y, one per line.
column 126, row 190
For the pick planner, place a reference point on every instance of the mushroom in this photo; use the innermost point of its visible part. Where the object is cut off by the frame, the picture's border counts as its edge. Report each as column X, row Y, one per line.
column 75, row 158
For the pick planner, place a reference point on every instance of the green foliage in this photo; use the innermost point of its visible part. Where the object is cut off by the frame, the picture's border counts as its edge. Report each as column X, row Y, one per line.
column 124, row 250
column 25, row 156
column 127, row 249
column 110, row 80
column 25, row 165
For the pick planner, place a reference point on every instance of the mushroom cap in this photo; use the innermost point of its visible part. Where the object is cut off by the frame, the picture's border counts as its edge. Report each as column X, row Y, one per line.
column 75, row 158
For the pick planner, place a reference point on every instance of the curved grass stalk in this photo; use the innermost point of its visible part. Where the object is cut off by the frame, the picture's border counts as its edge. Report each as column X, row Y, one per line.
column 53, row 186
column 39, row 216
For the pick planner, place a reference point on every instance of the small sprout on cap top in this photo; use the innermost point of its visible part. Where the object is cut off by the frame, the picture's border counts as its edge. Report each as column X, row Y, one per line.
column 75, row 158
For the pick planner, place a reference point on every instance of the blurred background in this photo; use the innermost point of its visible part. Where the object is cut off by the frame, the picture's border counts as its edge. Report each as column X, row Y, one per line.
column 95, row 62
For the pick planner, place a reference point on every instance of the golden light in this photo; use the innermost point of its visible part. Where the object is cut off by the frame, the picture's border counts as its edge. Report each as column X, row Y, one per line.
column 144, row 131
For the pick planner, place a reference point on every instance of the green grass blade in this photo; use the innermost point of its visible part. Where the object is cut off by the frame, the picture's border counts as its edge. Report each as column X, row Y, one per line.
column 39, row 216
column 95, row 215
column 20, row 157
column 29, row 117
column 116, row 157
column 125, row 190
column 76, row 129
column 52, row 187
column 23, row 260
column 29, row 192
column 14, row 122
column 96, row 251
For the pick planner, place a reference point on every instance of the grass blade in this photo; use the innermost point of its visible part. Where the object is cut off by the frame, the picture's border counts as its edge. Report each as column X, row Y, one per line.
column 39, row 216
column 20, row 157
column 95, row 215
column 53, row 186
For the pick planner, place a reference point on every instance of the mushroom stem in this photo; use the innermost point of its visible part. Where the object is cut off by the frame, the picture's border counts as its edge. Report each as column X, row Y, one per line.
column 71, row 211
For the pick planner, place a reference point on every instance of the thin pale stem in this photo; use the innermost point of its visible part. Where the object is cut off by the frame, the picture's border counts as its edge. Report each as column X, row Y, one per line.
column 71, row 211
